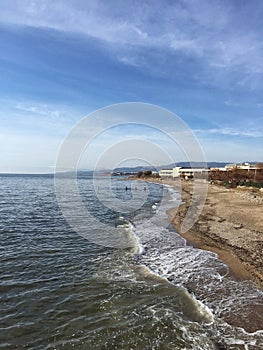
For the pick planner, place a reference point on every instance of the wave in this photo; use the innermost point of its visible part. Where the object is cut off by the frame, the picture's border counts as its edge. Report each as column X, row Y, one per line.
column 216, row 299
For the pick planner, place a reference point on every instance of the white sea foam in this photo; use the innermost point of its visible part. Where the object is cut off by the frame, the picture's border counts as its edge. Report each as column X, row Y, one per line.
column 214, row 293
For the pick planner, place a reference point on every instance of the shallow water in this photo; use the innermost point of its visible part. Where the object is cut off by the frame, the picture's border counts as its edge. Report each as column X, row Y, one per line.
column 61, row 291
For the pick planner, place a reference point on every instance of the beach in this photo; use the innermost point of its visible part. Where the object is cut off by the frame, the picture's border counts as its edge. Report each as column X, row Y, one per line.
column 230, row 225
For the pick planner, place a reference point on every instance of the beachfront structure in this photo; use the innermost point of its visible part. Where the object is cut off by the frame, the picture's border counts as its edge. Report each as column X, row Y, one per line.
column 192, row 172
column 177, row 172
column 188, row 173
column 246, row 166
column 218, row 169
column 242, row 166
column 230, row 166
column 172, row 173
column 166, row 173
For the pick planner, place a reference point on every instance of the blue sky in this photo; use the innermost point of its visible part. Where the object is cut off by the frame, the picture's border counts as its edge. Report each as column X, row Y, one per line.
column 61, row 60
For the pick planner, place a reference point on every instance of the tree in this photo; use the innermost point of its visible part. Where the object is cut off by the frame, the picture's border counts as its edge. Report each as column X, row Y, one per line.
column 147, row 173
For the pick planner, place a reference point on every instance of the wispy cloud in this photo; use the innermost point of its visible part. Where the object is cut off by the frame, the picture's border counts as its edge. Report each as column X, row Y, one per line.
column 211, row 31
column 29, row 116
column 230, row 132
column 231, row 103
column 39, row 109
column 164, row 52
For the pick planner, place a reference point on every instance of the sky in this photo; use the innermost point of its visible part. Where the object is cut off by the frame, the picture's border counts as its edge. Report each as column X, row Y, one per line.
column 63, row 60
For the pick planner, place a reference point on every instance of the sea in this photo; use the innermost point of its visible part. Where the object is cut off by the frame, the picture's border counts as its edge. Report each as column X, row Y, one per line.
column 63, row 289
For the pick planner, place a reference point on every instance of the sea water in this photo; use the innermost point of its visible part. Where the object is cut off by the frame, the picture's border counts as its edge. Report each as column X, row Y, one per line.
column 60, row 290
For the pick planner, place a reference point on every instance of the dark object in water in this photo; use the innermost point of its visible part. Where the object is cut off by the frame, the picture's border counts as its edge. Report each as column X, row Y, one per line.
column 220, row 346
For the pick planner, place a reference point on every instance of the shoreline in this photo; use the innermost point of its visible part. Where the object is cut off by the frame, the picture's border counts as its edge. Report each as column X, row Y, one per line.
column 229, row 225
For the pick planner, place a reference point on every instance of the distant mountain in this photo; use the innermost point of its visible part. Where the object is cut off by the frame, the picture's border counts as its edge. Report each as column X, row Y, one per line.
column 170, row 166
column 133, row 169
column 166, row 166
column 195, row 165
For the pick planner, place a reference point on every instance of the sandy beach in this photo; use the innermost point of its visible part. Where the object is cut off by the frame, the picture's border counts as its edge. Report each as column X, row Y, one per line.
column 231, row 225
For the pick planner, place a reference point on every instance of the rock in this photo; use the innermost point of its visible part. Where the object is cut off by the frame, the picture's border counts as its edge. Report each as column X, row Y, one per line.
column 221, row 219
column 238, row 226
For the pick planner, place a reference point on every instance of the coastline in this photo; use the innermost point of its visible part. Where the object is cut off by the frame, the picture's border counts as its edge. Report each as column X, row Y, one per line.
column 229, row 225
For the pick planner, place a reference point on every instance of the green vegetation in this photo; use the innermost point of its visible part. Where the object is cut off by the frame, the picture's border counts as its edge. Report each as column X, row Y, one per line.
column 239, row 177
column 147, row 173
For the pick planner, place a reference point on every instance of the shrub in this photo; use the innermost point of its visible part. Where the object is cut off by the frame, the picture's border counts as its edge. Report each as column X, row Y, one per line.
column 147, row 173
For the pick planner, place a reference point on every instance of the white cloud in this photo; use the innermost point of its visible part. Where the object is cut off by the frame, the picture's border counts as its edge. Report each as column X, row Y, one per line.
column 231, row 103
column 231, row 132
column 39, row 109
column 35, row 117
column 193, row 46
column 130, row 61
column 207, row 30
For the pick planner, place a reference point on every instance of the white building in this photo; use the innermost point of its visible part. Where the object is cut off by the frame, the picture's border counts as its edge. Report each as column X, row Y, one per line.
column 242, row 166
column 218, row 169
column 166, row 173
column 173, row 173
column 182, row 172
column 192, row 172
column 230, row 166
